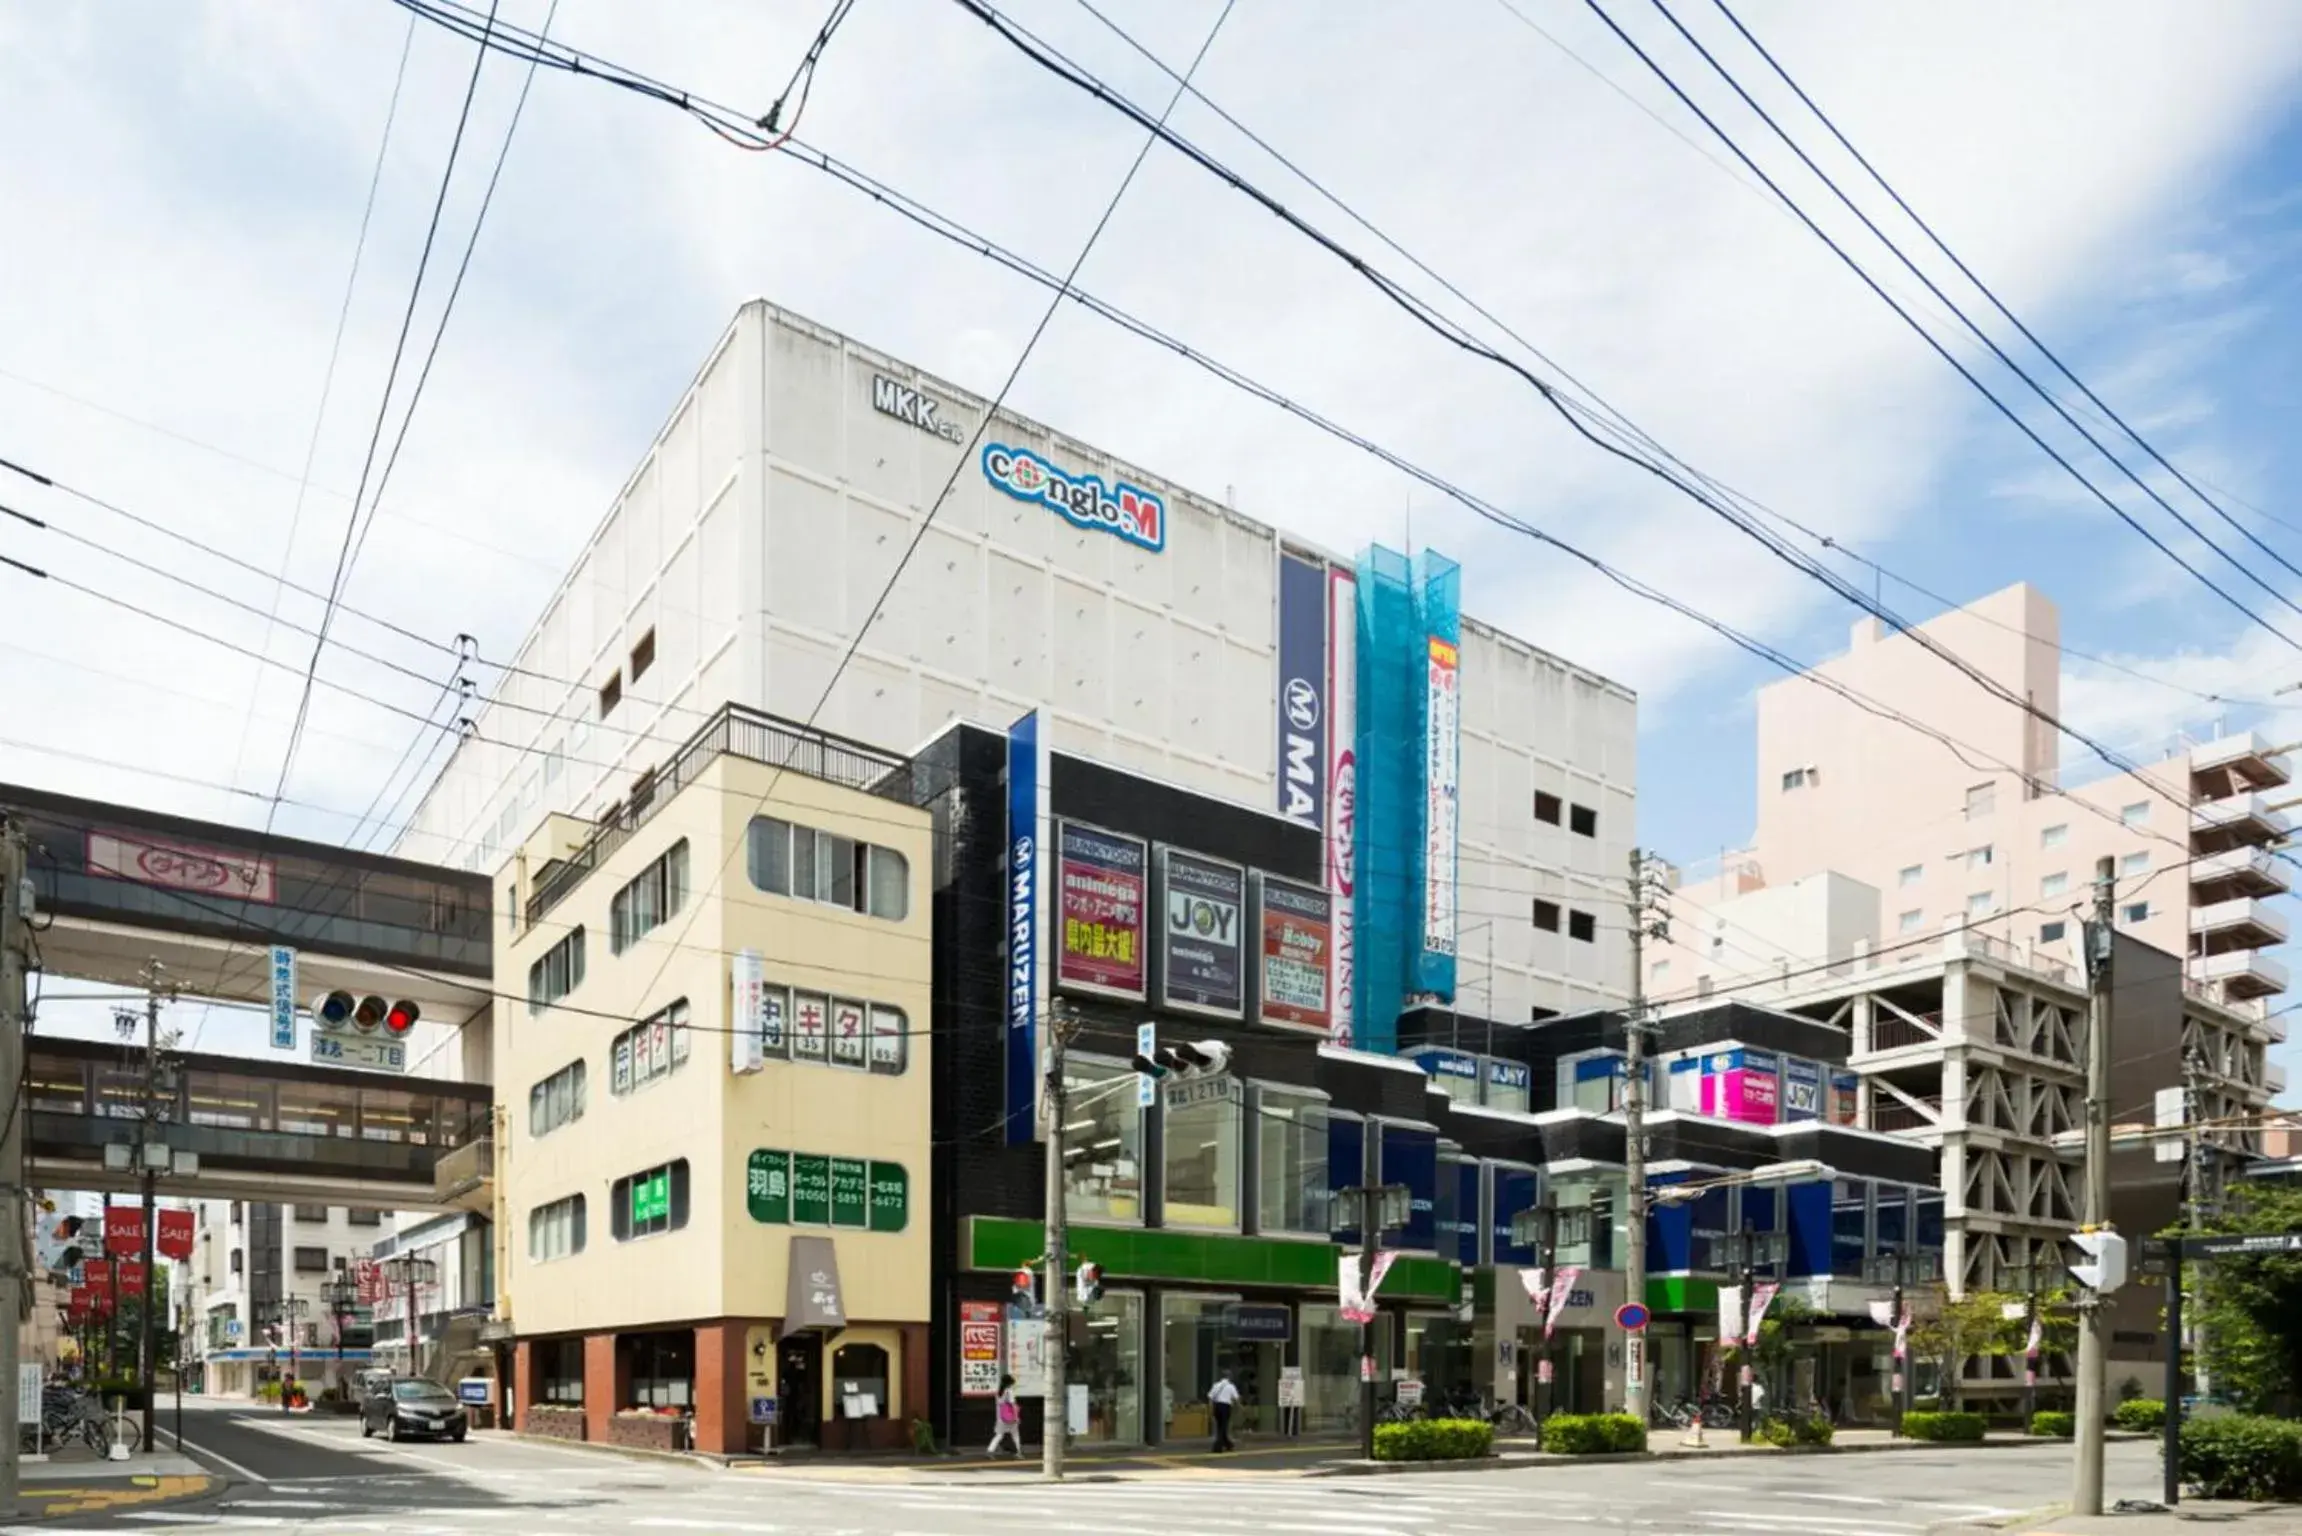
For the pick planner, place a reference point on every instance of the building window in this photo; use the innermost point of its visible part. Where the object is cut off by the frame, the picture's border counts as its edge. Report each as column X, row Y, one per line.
column 1911, row 921
column 2136, row 814
column 236, row 1209
column 557, row 1100
column 1582, row 821
column 650, row 1049
column 650, row 1202
column 1546, row 915
column 1291, row 1184
column 811, row 865
column 2054, row 884
column 559, row 1371
column 652, row 898
column 556, row 1231
column 2055, row 836
column 1800, row 778
column 1103, row 1170
column 610, row 694
column 1548, row 807
column 554, row 759
column 1910, row 874
column 1583, row 926
column 558, row 973
column 1980, row 903
column 1201, row 1165
column 643, row 656
column 359, row 1218
column 662, row 1369
column 239, row 1261
column 2134, row 863
column 1981, row 800
column 2052, row 933
column 1978, row 858
column 311, row 1261
column 859, row 1380
column 311, row 1213
column 1659, row 972
column 2138, row 912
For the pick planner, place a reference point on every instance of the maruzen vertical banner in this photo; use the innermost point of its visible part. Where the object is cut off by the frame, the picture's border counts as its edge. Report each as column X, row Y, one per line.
column 1342, row 784
column 1304, row 689
column 1026, row 924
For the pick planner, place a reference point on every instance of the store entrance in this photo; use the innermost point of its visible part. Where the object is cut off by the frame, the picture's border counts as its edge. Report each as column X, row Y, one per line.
column 799, row 1389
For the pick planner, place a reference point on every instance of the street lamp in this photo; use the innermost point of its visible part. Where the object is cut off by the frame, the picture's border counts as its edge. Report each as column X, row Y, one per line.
column 1537, row 1227
column 289, row 1314
column 1374, row 1209
column 1805, row 1170
column 407, row 1270
column 342, row 1294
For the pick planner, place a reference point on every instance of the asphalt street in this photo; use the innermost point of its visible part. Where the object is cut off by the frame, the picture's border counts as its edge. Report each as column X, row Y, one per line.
column 313, row 1474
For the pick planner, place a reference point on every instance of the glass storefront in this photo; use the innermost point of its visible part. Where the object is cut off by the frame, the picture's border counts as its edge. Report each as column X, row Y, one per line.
column 1438, row 1355
column 1327, row 1348
column 1193, row 1350
column 1201, row 1163
column 1110, row 1365
column 1292, row 1187
column 1103, row 1170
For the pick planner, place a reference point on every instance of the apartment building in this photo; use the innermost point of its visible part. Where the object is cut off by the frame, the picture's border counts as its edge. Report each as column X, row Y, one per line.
column 1159, row 631
column 712, row 1054
column 257, row 1298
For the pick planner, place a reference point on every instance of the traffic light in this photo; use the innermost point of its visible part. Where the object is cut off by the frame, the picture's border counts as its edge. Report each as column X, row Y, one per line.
column 369, row 1014
column 402, row 1017
column 338, row 1011
column 1026, row 1289
column 334, row 1009
column 1190, row 1059
column 2107, row 1250
column 1090, row 1283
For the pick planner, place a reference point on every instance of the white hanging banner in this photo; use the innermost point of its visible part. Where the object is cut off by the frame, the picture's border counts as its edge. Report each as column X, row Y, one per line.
column 1562, row 1286
column 1537, row 1283
column 1358, row 1306
column 1762, row 1295
column 1730, row 1312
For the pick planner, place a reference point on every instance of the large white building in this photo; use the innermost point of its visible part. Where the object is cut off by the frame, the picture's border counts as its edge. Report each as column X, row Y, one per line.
column 750, row 547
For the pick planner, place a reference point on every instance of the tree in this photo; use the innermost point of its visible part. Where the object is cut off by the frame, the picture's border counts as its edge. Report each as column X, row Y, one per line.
column 2250, row 1308
column 1951, row 1330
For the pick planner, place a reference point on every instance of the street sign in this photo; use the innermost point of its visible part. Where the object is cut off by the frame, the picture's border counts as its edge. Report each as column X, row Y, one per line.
column 1146, row 1086
column 477, row 1390
column 1631, row 1316
column 231, row 1327
column 763, row 1410
column 283, row 998
column 374, row 1055
column 2244, row 1243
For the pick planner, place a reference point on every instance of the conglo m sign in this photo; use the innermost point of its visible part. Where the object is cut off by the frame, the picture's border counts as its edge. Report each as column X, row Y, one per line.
column 1135, row 515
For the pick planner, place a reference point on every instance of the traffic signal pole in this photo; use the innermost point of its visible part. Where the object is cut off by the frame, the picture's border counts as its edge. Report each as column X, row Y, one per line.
column 14, row 924
column 1054, row 1415
column 2093, row 1309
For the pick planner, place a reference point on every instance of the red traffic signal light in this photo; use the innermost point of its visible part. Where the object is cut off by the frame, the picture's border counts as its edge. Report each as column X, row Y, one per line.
column 1026, row 1284
column 369, row 1014
column 402, row 1017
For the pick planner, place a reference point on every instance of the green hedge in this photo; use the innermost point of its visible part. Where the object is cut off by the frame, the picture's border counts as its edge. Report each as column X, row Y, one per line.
column 1434, row 1440
column 1593, row 1434
column 2139, row 1413
column 2060, row 1426
column 2238, row 1456
column 1943, row 1426
column 1805, row 1429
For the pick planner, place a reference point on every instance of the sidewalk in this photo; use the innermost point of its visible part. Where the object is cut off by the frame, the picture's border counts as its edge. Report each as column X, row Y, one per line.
column 2186, row 1519
column 75, row 1481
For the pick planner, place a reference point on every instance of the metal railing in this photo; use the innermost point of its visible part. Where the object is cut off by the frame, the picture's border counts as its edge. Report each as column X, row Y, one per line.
column 735, row 731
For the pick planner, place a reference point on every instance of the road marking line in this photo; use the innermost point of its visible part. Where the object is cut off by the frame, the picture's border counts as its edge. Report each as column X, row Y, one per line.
column 221, row 1460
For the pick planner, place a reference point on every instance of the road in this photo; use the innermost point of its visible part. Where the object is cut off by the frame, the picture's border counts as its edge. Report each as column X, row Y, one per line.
column 313, row 1474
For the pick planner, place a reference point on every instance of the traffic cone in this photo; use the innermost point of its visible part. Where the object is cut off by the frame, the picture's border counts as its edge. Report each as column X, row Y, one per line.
column 1694, row 1439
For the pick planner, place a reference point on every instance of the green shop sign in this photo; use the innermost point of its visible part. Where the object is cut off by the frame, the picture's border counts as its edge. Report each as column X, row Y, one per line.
column 809, row 1189
column 651, row 1198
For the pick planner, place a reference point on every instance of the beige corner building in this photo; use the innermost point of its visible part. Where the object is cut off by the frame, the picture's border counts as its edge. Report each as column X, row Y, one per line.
column 712, row 1176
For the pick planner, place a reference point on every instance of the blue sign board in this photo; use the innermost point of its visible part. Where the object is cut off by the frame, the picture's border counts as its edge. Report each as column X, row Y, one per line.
column 1512, row 1190
column 1346, row 1166
column 1438, row 1061
column 763, row 1410
column 1023, row 856
column 1410, row 1156
column 1303, row 753
column 1262, row 1322
column 1125, row 511
column 474, row 1389
column 283, row 998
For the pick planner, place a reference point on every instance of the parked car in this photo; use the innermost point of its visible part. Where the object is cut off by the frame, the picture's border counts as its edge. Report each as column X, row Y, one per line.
column 405, row 1408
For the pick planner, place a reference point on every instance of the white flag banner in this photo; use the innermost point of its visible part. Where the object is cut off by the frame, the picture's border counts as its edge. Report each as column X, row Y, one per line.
column 1562, row 1286
column 1762, row 1296
column 1902, row 1334
column 2030, row 1345
column 1358, row 1306
column 1537, row 1283
column 1882, row 1313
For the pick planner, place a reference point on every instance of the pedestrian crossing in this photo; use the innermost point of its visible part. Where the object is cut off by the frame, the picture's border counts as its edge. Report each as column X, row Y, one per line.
column 1635, row 1503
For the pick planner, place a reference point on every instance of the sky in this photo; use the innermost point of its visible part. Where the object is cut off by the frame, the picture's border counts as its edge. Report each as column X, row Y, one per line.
column 181, row 243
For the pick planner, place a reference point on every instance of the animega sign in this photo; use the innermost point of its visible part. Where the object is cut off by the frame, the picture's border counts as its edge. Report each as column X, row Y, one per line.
column 1128, row 511
column 1302, row 691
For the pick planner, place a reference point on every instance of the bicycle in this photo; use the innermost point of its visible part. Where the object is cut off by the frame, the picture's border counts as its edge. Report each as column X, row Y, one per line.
column 1513, row 1419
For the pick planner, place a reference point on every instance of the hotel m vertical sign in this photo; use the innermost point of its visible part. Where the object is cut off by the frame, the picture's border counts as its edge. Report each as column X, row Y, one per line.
column 1303, row 688
column 1026, row 924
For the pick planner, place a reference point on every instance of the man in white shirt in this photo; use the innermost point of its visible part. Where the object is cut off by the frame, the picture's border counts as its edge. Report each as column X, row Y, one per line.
column 1222, row 1398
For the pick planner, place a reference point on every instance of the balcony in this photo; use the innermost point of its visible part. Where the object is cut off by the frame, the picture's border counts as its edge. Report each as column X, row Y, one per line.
column 2245, row 820
column 2241, row 761
column 2241, row 924
column 2273, row 1078
column 465, row 1178
column 2237, row 872
column 2240, row 974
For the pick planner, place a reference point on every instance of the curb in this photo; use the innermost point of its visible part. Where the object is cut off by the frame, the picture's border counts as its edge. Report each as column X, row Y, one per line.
column 1539, row 1461
column 631, row 1452
column 141, row 1493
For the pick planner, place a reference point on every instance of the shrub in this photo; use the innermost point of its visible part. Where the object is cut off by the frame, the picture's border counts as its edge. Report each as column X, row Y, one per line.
column 1593, row 1434
column 2060, row 1426
column 2139, row 1413
column 1813, row 1429
column 1434, row 1440
column 2239, row 1456
column 1943, row 1426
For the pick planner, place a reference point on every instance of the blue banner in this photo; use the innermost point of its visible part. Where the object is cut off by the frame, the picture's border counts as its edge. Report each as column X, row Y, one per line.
column 283, row 998
column 1302, row 691
column 1510, row 1191
column 1346, row 1169
column 1023, row 887
column 1410, row 1156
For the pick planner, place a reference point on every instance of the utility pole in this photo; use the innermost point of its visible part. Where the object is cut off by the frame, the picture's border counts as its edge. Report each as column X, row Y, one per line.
column 1900, row 1384
column 1646, row 919
column 1055, row 1407
column 15, row 924
column 2093, row 1308
column 147, row 1177
column 2196, row 1192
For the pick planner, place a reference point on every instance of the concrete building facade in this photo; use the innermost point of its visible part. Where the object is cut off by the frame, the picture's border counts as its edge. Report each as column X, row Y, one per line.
column 251, row 1258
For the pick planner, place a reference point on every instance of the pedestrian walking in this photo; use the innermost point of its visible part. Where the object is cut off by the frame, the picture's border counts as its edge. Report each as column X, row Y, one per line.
column 1010, row 1420
column 1222, row 1398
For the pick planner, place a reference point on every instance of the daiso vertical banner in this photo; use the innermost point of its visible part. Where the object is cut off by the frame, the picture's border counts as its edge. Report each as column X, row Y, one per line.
column 1303, row 691
column 1026, row 924
column 1342, row 786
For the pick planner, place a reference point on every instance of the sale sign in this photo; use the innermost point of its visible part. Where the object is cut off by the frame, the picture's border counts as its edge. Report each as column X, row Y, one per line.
column 1101, row 885
column 175, row 1236
column 123, row 1230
